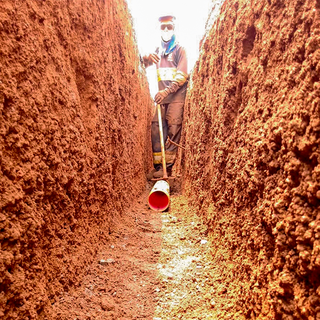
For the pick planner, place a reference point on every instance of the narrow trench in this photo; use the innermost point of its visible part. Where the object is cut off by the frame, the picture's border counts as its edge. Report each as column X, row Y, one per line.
column 75, row 147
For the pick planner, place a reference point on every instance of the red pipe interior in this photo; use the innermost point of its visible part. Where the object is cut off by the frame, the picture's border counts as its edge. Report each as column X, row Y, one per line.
column 158, row 201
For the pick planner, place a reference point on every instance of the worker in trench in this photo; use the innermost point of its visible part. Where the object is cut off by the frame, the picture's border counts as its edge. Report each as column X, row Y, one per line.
column 171, row 63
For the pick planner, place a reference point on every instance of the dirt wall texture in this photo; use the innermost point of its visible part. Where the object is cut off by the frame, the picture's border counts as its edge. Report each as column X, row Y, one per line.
column 74, row 142
column 252, row 164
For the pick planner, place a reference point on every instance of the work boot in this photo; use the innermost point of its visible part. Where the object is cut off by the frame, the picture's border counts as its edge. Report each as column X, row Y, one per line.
column 158, row 174
column 150, row 174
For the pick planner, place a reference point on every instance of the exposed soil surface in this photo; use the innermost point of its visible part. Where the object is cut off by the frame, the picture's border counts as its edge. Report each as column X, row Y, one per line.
column 75, row 115
column 192, row 280
column 121, row 281
column 252, row 159
column 74, row 111
column 157, row 266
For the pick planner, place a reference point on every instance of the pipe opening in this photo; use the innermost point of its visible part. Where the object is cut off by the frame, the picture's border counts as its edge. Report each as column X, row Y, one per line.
column 159, row 197
column 158, row 201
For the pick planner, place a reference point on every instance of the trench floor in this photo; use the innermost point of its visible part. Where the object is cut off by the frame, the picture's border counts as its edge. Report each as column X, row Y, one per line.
column 156, row 266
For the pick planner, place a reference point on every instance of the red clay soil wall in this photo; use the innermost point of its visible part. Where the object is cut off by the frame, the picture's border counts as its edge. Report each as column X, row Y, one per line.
column 252, row 164
column 74, row 142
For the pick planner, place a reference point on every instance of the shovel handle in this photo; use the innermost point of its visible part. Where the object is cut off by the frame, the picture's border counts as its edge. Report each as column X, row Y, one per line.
column 163, row 154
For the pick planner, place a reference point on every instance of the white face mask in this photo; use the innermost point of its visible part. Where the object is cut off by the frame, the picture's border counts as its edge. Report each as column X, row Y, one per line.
column 166, row 34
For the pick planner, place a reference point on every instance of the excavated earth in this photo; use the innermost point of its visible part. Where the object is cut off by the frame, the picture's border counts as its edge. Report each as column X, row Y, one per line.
column 242, row 237
column 252, row 165
column 74, row 143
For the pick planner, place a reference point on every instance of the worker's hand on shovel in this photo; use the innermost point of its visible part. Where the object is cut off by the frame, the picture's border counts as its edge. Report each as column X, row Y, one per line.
column 154, row 58
column 160, row 96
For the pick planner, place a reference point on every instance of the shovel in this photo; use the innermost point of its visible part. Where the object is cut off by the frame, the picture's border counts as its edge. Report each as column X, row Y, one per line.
column 163, row 154
column 159, row 197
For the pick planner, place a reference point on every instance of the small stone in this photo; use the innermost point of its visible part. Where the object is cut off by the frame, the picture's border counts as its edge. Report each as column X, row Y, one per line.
column 212, row 303
column 106, row 262
column 204, row 241
column 107, row 304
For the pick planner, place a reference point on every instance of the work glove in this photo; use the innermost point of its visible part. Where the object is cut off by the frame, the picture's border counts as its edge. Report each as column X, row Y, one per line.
column 161, row 95
column 154, row 58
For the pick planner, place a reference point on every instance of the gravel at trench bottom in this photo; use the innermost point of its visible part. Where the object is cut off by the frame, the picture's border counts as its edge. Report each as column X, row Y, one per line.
column 157, row 266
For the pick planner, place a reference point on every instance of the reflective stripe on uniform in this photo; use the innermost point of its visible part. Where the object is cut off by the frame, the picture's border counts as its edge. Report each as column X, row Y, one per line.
column 181, row 78
column 170, row 157
column 157, row 158
column 166, row 74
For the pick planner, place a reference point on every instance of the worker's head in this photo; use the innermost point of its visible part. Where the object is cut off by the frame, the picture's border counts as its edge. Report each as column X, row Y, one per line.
column 167, row 27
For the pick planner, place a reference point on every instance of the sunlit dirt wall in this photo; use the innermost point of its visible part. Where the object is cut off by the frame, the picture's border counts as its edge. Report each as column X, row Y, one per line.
column 74, row 142
column 252, row 164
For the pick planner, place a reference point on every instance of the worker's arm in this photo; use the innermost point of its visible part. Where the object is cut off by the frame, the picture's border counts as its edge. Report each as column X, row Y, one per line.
column 182, row 68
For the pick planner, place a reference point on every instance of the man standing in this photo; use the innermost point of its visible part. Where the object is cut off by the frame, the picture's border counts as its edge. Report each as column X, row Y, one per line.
column 171, row 64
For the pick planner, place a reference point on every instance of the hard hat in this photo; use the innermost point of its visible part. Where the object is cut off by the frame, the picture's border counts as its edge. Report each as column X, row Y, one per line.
column 167, row 19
